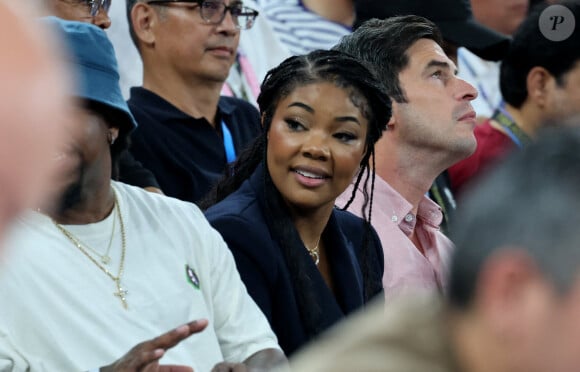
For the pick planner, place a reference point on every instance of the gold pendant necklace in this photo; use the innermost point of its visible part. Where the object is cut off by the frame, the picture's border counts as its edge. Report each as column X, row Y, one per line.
column 121, row 292
column 314, row 253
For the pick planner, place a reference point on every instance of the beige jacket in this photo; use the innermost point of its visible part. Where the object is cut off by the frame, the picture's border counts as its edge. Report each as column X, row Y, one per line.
column 409, row 336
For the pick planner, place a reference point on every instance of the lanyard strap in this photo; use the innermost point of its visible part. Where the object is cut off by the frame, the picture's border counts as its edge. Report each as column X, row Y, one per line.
column 228, row 143
column 516, row 133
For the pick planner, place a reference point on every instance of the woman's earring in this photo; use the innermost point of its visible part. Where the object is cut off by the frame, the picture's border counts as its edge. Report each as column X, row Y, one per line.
column 111, row 138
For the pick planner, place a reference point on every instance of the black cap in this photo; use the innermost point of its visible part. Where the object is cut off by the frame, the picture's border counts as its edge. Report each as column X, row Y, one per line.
column 453, row 17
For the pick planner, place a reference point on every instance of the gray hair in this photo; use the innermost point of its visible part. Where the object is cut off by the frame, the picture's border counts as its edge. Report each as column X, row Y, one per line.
column 531, row 203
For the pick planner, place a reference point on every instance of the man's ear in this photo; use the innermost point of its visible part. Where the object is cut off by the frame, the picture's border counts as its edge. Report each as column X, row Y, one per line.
column 393, row 120
column 112, row 134
column 537, row 84
column 509, row 288
column 143, row 18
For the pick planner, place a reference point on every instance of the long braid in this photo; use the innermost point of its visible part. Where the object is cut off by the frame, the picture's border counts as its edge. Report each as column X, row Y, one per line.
column 369, row 97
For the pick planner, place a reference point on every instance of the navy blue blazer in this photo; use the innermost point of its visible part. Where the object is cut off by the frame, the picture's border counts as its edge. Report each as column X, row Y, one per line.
column 241, row 221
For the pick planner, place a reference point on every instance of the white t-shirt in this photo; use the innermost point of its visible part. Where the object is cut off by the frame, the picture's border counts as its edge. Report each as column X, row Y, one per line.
column 59, row 313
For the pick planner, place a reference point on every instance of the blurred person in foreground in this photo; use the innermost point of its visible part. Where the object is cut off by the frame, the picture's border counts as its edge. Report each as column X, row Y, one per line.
column 34, row 112
column 115, row 265
column 514, row 295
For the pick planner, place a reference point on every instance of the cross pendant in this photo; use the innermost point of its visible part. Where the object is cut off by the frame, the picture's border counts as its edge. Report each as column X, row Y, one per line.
column 121, row 294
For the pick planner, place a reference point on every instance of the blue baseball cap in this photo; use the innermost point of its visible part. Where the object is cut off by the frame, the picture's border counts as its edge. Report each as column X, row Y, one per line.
column 94, row 65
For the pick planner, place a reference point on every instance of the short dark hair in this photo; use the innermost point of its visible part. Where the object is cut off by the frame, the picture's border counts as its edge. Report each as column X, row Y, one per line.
column 530, row 48
column 529, row 203
column 382, row 45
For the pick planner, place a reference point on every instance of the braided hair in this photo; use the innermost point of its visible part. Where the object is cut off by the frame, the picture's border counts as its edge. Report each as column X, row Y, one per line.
column 369, row 96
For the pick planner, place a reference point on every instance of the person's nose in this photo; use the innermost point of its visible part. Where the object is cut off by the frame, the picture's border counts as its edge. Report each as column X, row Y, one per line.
column 228, row 25
column 316, row 146
column 465, row 91
column 102, row 19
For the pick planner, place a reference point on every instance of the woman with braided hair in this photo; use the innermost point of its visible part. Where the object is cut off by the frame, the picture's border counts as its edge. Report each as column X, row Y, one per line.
column 305, row 262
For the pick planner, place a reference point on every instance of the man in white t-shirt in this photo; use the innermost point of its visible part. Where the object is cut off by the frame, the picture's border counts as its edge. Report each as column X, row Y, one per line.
column 113, row 265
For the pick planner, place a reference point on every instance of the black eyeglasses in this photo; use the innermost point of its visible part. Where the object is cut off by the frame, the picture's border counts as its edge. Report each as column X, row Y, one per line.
column 214, row 12
column 96, row 5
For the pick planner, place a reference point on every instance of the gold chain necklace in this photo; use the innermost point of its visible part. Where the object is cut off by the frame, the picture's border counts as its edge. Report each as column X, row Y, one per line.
column 121, row 292
column 105, row 258
column 314, row 253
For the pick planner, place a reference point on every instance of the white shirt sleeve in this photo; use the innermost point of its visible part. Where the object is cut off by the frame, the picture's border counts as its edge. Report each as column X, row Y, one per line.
column 10, row 358
column 240, row 325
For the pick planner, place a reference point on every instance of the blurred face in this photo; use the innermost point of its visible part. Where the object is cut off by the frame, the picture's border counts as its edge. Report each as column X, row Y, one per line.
column 501, row 15
column 87, row 155
column 315, row 145
column 193, row 48
column 34, row 114
column 567, row 332
column 437, row 116
column 80, row 10
column 564, row 99
column 549, row 330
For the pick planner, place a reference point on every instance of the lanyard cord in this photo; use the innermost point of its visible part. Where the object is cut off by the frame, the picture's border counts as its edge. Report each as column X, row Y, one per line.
column 517, row 135
column 228, row 143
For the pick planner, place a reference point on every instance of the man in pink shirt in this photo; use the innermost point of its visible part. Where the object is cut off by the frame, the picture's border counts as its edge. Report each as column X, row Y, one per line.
column 431, row 129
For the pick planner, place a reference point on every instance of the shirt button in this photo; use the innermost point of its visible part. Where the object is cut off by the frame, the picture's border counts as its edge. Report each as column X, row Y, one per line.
column 409, row 217
column 394, row 219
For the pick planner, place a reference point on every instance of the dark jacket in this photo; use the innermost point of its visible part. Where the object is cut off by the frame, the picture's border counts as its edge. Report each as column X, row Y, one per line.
column 241, row 221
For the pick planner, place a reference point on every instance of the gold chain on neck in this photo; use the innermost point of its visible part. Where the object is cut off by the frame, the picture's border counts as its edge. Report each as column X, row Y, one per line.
column 314, row 253
column 121, row 292
column 104, row 257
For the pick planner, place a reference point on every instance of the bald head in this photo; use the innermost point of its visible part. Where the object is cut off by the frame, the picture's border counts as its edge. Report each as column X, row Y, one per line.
column 34, row 112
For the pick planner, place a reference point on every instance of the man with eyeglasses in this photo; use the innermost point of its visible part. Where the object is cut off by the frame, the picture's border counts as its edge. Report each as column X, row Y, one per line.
column 187, row 133
column 73, row 301
column 96, row 12
column 90, row 11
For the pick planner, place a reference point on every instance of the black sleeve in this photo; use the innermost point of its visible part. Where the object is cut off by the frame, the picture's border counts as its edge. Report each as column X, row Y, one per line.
column 133, row 173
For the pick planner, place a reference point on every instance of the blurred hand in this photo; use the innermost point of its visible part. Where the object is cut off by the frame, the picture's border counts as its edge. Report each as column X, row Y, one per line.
column 230, row 367
column 145, row 356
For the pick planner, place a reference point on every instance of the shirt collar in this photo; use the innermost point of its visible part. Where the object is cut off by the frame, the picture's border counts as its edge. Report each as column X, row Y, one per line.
column 163, row 108
column 386, row 196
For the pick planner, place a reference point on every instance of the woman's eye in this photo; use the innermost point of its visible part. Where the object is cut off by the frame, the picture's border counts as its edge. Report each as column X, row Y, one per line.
column 294, row 124
column 345, row 137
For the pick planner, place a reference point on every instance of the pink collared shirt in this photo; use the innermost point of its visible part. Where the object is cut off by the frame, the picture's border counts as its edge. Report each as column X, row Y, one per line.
column 406, row 268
